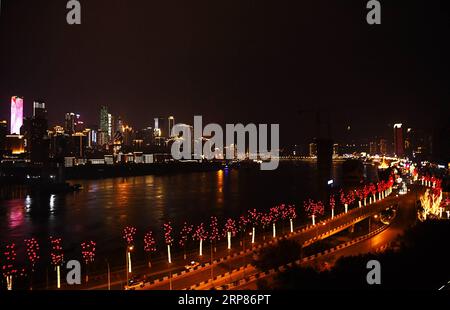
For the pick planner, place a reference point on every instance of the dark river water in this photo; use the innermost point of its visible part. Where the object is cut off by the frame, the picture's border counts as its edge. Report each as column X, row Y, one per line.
column 103, row 207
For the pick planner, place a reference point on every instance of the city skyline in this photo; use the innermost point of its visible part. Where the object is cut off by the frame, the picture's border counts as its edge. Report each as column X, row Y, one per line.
column 107, row 123
column 285, row 71
column 255, row 152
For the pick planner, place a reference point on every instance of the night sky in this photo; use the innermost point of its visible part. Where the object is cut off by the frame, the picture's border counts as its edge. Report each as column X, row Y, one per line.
column 232, row 61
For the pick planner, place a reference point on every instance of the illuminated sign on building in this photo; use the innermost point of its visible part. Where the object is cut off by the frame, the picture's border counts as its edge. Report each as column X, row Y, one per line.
column 16, row 114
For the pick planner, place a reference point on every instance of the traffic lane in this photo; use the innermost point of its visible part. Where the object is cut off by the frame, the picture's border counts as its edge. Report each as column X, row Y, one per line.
column 301, row 238
column 195, row 277
column 204, row 274
column 404, row 219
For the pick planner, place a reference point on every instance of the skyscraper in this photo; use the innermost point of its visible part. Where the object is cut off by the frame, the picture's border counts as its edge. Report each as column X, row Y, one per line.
column 312, row 149
column 373, row 148
column 69, row 123
column 160, row 128
column 171, row 124
column 16, row 115
column 399, row 144
column 3, row 134
column 104, row 125
column 383, row 146
column 35, row 132
column 110, row 126
column 39, row 110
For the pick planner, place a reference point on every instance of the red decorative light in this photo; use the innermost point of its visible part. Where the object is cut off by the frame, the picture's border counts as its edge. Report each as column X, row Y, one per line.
column 168, row 233
column 313, row 208
column 88, row 251
column 32, row 251
column 214, row 230
column 230, row 226
column 128, row 235
column 57, row 255
column 200, row 233
column 185, row 232
column 149, row 243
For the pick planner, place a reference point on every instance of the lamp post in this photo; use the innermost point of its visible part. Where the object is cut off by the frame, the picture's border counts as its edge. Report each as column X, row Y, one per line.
column 128, row 261
column 109, row 275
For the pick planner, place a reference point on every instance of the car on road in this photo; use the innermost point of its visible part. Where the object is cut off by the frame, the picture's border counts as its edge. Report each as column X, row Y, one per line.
column 192, row 265
column 134, row 283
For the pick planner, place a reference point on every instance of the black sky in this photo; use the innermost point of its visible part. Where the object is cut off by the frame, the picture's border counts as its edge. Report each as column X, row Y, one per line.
column 232, row 61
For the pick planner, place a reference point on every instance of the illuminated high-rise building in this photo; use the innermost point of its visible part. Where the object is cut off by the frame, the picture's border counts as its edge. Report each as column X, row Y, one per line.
column 16, row 114
column 335, row 150
column 373, row 148
column 160, row 127
column 171, row 124
column 69, row 124
column 383, row 146
column 119, row 125
column 110, row 126
column 399, row 143
column 3, row 134
column 104, row 122
column 39, row 110
column 313, row 149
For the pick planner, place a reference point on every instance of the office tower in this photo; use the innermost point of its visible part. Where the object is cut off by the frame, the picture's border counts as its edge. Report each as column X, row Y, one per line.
column 16, row 115
column 102, row 138
column 110, row 126
column 3, row 134
column 171, row 124
column 410, row 142
column 35, row 132
column 373, row 148
column 119, row 125
column 78, row 141
column 383, row 147
column 312, row 149
column 398, row 140
column 91, row 135
column 128, row 135
column 160, row 128
column 39, row 110
column 335, row 150
column 79, row 124
column 104, row 124
column 69, row 123
column 146, row 135
column 160, row 131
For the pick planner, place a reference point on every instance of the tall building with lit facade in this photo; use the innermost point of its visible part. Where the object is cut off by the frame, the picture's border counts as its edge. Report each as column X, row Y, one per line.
column 16, row 115
column 383, row 147
column 373, row 148
column 399, row 143
column 35, row 132
column 39, row 110
column 335, row 150
column 104, row 125
column 171, row 124
column 3, row 134
column 312, row 149
column 110, row 126
column 69, row 123
column 160, row 131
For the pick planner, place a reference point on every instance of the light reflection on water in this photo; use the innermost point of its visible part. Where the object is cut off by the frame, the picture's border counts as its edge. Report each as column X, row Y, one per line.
column 103, row 207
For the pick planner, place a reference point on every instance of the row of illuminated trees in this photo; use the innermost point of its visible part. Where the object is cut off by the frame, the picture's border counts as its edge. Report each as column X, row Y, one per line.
column 211, row 232
column 10, row 270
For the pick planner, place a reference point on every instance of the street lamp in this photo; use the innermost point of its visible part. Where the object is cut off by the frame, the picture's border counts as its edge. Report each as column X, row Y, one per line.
column 128, row 261
column 109, row 275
